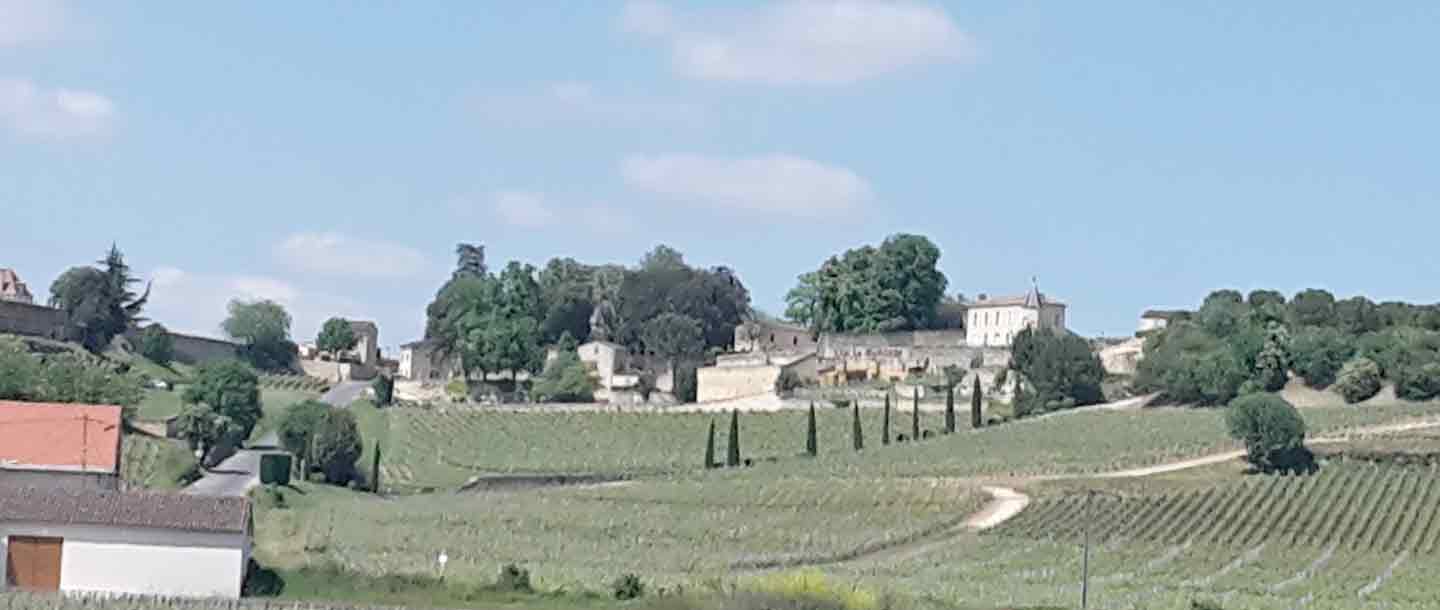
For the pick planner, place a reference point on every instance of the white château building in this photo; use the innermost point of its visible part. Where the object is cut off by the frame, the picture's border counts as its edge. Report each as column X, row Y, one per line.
column 994, row 322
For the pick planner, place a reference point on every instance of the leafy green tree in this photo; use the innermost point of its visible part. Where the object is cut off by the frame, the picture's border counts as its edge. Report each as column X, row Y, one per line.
column 491, row 323
column 1222, row 313
column 565, row 380
column 298, row 425
column 1357, row 316
column 69, row 378
column 1061, row 368
column 231, row 389
column 1318, row 354
column 1272, row 363
column 337, row 337
column 663, row 257
column 1418, row 381
column 202, row 427
column 263, row 327
column 1313, row 307
column 337, row 444
column 19, row 371
column 156, row 345
column 894, row 287
column 384, row 388
column 1272, row 430
column 801, row 301
column 674, row 337
column 470, row 261
column 1359, row 380
column 98, row 302
column 1262, row 298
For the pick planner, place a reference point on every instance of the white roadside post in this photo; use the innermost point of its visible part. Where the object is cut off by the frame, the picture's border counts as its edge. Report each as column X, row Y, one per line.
column 442, row 560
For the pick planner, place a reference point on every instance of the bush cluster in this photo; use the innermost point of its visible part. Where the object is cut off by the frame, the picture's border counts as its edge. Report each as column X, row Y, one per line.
column 1358, row 380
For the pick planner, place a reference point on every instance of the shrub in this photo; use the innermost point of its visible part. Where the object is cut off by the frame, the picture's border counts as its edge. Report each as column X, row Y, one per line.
column 157, row 345
column 565, row 380
column 513, row 579
column 1358, row 380
column 261, row 581
column 1272, row 430
column 298, row 423
column 814, row 590
column 1317, row 354
column 384, row 386
column 457, row 390
column 337, row 445
column 1418, row 382
column 787, row 382
column 627, row 587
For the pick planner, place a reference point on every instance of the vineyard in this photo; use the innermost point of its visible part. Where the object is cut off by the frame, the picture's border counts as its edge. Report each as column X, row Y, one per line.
column 666, row 530
column 444, row 447
column 23, row 601
column 153, row 463
column 294, row 383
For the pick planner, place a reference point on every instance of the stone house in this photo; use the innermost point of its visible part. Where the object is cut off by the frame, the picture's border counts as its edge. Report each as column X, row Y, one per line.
column 994, row 322
column 66, row 446
column 745, row 376
column 14, row 290
column 1156, row 319
column 773, row 336
column 419, row 361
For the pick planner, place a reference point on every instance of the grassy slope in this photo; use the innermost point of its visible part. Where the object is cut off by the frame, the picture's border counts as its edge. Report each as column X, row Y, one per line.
column 154, row 463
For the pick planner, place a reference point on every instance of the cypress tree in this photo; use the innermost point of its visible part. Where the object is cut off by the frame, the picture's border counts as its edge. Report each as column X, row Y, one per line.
column 710, row 447
column 375, row 470
column 812, row 447
column 950, row 410
column 885, row 421
column 915, row 414
column 732, row 452
column 855, row 434
column 975, row 399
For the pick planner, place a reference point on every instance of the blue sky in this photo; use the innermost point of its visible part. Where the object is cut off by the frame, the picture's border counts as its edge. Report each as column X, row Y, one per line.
column 330, row 155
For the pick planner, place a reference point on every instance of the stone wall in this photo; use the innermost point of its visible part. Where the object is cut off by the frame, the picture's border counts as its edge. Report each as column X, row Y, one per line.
column 326, row 369
column 31, row 320
column 190, row 349
column 723, row 383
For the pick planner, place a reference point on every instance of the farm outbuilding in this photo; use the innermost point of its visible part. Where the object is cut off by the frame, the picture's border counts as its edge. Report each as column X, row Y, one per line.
column 88, row 541
column 59, row 445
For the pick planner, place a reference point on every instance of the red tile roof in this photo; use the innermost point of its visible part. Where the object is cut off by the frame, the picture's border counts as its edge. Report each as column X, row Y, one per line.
column 48, row 436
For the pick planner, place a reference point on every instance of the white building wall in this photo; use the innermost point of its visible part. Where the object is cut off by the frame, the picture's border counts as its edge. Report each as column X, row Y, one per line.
column 997, row 326
column 143, row 561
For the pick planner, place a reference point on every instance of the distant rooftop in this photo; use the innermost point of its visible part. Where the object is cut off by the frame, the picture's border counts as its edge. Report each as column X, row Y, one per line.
column 228, row 514
column 48, row 436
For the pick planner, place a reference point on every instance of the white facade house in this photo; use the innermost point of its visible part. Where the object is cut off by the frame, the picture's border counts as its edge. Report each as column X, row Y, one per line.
column 994, row 322
column 84, row 541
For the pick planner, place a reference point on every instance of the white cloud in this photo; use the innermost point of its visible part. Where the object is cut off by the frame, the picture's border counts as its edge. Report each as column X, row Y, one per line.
column 24, row 22
column 34, row 110
column 337, row 254
column 825, row 42
column 522, row 209
column 195, row 303
column 580, row 102
column 774, row 184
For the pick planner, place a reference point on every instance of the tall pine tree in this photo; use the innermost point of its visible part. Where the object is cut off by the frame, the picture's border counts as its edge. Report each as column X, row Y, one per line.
column 812, row 447
column 710, row 446
column 950, row 409
column 975, row 398
column 732, row 452
column 885, row 421
column 915, row 414
column 856, row 437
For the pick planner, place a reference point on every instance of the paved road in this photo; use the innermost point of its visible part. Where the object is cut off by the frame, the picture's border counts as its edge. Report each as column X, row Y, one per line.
column 240, row 472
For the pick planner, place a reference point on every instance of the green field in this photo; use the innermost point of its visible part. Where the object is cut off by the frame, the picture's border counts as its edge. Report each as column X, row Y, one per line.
column 443, row 447
column 154, row 463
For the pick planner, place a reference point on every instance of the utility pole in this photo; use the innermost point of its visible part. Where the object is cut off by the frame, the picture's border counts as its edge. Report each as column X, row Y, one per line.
column 1085, row 558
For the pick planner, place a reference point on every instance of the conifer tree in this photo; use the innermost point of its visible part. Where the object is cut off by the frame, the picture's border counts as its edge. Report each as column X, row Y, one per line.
column 732, row 453
column 975, row 398
column 950, row 410
column 812, row 447
column 915, row 413
column 710, row 447
column 855, row 433
column 885, row 421
column 375, row 470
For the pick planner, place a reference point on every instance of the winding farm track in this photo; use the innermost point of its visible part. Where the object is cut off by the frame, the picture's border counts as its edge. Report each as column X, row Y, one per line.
column 1007, row 502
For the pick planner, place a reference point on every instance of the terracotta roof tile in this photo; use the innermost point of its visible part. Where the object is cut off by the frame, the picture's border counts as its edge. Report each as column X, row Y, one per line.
column 131, row 509
column 50, row 436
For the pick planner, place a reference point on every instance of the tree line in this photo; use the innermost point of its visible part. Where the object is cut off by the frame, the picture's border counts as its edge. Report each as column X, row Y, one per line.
column 869, row 289
column 1238, row 344
column 663, row 312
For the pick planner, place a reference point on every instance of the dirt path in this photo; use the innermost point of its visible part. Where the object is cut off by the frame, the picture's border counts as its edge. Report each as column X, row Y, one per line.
column 1006, row 502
